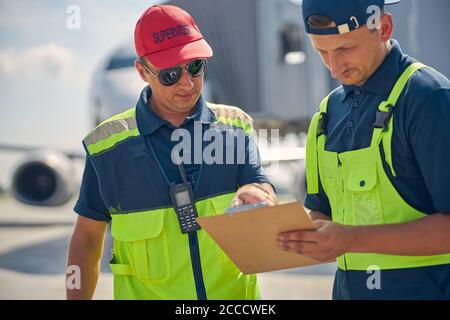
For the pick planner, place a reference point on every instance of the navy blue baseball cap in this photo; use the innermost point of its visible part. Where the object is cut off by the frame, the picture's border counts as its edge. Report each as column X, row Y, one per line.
column 347, row 15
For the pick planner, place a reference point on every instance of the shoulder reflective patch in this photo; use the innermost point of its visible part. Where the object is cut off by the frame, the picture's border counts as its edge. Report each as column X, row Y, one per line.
column 112, row 131
column 232, row 116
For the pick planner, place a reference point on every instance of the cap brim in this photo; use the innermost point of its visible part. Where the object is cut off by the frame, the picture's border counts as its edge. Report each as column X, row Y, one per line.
column 180, row 54
column 388, row 2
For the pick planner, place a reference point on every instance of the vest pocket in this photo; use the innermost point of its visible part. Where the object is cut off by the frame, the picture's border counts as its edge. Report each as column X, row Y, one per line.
column 142, row 244
column 364, row 195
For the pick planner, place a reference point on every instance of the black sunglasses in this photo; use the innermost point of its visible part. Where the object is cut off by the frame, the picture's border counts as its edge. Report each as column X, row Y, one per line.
column 170, row 76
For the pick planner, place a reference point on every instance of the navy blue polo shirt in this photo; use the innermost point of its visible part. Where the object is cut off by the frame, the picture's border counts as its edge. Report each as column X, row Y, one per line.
column 420, row 154
column 159, row 132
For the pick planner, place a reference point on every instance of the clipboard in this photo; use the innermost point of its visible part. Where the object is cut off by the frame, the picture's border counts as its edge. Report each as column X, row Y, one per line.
column 249, row 238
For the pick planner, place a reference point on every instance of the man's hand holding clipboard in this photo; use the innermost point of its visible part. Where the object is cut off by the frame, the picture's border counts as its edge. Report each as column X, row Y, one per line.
column 250, row 237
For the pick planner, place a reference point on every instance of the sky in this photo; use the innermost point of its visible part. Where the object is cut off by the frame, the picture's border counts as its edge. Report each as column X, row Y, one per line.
column 47, row 60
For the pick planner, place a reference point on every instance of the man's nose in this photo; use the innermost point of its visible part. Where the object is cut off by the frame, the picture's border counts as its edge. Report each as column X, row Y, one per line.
column 186, row 81
column 335, row 67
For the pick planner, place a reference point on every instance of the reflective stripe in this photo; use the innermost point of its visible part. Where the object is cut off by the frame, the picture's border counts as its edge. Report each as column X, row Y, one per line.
column 239, row 123
column 393, row 98
column 130, row 113
column 363, row 261
column 311, row 156
column 111, row 141
column 403, row 80
column 108, row 129
column 312, row 172
column 232, row 116
column 112, row 131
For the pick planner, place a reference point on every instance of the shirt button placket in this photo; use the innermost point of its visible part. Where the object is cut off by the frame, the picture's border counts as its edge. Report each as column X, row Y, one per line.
column 355, row 104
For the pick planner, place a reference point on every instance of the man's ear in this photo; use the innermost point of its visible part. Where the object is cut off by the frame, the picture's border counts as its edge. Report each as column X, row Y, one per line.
column 387, row 27
column 141, row 70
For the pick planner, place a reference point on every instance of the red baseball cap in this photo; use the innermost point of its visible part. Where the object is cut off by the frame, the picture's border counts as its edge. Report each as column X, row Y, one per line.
column 168, row 36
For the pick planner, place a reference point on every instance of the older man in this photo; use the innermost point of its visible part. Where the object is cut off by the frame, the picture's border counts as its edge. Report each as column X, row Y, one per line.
column 133, row 177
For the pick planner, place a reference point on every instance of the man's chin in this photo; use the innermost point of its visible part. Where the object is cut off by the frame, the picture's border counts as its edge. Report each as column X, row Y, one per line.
column 186, row 101
column 186, row 106
column 349, row 82
column 352, row 80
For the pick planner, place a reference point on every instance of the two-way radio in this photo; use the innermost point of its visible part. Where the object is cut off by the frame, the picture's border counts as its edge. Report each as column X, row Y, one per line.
column 184, row 204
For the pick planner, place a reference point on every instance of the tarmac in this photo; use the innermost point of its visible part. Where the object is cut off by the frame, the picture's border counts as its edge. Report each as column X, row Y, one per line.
column 33, row 251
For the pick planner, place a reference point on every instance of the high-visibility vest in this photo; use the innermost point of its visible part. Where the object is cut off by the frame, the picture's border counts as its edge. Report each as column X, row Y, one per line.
column 358, row 188
column 151, row 258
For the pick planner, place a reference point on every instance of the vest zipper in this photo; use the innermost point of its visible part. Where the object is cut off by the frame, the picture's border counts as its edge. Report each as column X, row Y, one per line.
column 197, row 266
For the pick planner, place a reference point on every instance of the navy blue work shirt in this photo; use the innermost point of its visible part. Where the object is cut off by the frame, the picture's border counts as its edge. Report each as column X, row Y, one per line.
column 420, row 155
column 158, row 132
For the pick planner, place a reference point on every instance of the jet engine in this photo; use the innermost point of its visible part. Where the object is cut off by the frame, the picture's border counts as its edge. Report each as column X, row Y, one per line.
column 44, row 178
